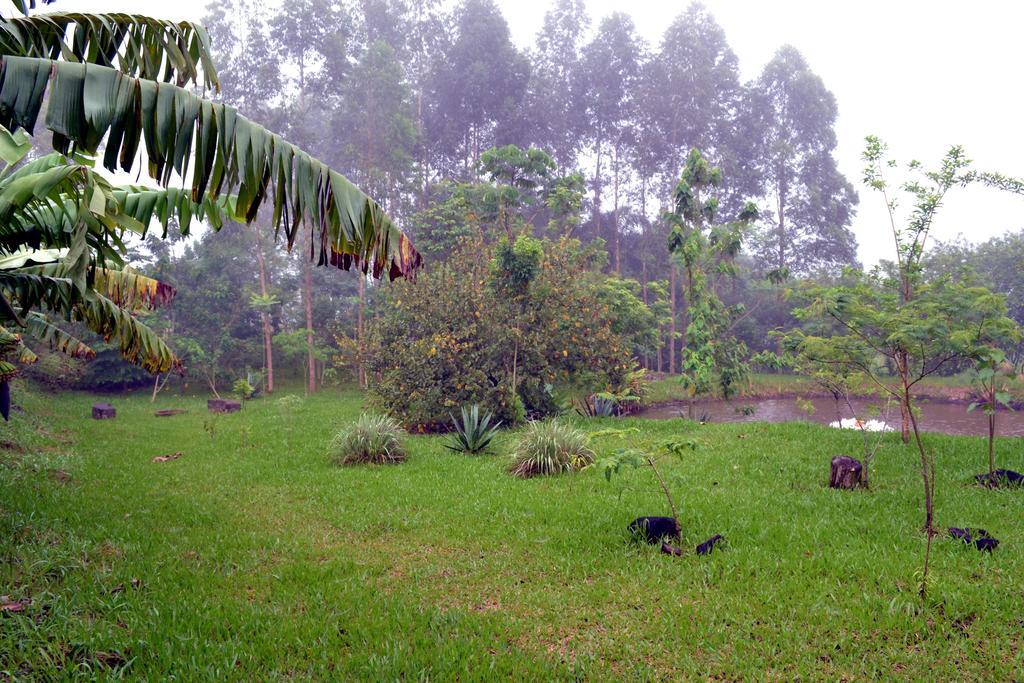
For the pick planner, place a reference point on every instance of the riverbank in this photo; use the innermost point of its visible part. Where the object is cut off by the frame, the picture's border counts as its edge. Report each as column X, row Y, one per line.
column 668, row 389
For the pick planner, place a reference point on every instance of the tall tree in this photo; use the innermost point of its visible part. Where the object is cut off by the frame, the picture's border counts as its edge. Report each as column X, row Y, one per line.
column 377, row 130
column 690, row 89
column 605, row 85
column 477, row 83
column 813, row 203
column 312, row 50
column 707, row 253
column 554, row 116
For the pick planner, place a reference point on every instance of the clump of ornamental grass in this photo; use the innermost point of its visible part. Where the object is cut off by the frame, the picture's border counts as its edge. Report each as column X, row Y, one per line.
column 373, row 439
column 549, row 448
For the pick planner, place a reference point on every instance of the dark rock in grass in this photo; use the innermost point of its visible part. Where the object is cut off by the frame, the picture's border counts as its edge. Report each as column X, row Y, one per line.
column 1000, row 478
column 103, row 411
column 654, row 529
column 707, row 546
column 986, row 544
column 5, row 400
column 669, row 549
column 979, row 537
column 846, row 473
column 221, row 405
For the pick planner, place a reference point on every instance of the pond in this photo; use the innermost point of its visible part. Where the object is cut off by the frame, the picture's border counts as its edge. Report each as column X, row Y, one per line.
column 936, row 416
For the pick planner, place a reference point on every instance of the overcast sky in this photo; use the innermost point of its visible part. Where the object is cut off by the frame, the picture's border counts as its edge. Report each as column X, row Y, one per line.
column 921, row 74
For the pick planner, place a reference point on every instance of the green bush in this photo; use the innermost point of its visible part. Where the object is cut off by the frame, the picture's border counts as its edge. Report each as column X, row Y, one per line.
column 474, row 434
column 373, row 439
column 243, row 390
column 467, row 331
column 550, row 448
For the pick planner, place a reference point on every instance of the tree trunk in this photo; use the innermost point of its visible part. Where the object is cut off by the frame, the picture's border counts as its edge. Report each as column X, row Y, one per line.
column 903, row 370
column 615, row 212
column 672, row 325
column 847, row 473
column 307, row 297
column 268, row 332
column 992, row 441
column 360, row 327
column 597, row 188
column 783, row 189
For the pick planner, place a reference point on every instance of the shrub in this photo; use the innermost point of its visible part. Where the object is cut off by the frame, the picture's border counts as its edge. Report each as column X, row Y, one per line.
column 474, row 434
column 468, row 332
column 372, row 439
column 550, row 448
column 243, row 390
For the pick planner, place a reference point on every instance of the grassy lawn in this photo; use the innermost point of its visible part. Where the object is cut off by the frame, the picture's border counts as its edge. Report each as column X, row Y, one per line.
column 250, row 557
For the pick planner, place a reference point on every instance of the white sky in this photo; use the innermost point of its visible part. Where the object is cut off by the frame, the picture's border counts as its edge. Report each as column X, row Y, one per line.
column 921, row 74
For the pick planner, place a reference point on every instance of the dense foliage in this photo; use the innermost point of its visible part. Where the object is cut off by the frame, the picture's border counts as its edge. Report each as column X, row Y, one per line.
column 509, row 327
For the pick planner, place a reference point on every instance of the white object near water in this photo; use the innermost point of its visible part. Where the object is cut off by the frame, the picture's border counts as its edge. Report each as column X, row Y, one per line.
column 866, row 425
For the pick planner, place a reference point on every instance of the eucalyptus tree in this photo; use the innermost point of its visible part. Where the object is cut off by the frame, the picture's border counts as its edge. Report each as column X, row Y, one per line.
column 556, row 62
column 605, row 85
column 478, row 82
column 114, row 92
column 691, row 89
column 794, row 120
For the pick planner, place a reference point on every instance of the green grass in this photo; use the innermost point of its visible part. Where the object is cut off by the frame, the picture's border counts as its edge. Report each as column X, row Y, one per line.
column 251, row 557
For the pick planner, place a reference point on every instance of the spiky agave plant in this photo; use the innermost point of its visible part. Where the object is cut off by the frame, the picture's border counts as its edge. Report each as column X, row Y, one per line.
column 373, row 439
column 474, row 434
column 550, row 448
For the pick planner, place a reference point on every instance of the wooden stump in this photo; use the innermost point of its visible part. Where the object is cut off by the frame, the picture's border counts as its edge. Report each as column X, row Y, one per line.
column 103, row 411
column 220, row 405
column 846, row 473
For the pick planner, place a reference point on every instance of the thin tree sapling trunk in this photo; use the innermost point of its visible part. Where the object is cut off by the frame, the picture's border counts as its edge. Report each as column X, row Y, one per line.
column 307, row 297
column 268, row 332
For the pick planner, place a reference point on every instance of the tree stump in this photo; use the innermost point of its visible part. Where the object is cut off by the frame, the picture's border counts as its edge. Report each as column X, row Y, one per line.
column 846, row 473
column 103, row 411
column 220, row 405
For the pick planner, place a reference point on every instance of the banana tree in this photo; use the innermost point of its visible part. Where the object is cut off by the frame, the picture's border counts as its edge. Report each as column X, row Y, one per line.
column 114, row 91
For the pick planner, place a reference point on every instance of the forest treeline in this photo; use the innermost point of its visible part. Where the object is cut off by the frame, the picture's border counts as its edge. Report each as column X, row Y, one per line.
column 458, row 133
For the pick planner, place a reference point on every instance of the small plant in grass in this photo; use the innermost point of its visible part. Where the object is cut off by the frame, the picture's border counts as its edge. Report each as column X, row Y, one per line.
column 373, row 439
column 550, row 448
column 991, row 380
column 602, row 404
column 474, row 434
column 243, row 389
column 210, row 426
column 636, row 458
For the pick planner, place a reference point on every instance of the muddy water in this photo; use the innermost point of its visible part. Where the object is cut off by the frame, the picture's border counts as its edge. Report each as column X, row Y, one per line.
column 942, row 417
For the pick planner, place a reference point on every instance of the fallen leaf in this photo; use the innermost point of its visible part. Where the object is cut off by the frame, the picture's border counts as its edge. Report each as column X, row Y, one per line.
column 8, row 605
column 59, row 475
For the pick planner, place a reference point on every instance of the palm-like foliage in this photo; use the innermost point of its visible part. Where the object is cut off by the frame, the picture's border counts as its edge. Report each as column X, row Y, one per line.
column 474, row 434
column 112, row 88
